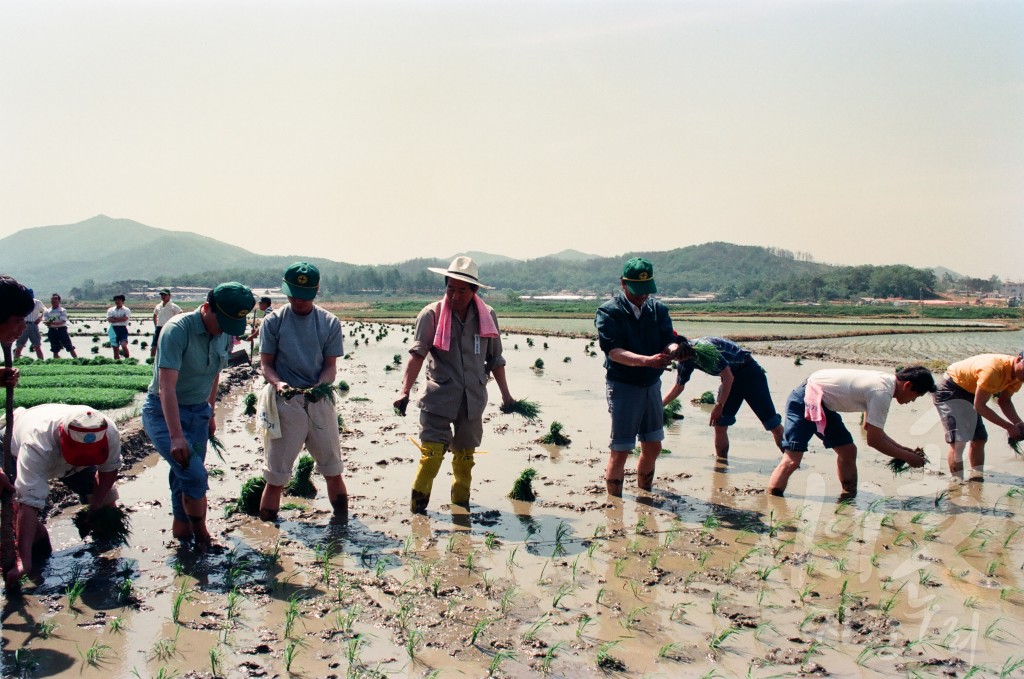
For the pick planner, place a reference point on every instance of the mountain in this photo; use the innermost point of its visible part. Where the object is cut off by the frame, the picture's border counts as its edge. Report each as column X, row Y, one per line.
column 941, row 272
column 573, row 256
column 481, row 258
column 104, row 249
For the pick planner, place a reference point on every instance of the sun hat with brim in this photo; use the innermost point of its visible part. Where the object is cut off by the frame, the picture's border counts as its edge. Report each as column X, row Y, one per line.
column 301, row 281
column 463, row 269
column 232, row 302
column 83, row 438
column 638, row 275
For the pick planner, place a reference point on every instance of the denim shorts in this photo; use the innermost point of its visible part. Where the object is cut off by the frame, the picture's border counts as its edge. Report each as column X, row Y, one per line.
column 799, row 430
column 193, row 480
column 636, row 413
column 960, row 420
column 121, row 332
column 751, row 385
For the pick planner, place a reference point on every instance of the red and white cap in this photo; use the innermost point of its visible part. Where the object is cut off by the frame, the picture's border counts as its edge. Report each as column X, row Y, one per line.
column 83, row 438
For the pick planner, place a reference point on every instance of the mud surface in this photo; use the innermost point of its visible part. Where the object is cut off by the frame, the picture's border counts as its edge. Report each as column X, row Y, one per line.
column 918, row 576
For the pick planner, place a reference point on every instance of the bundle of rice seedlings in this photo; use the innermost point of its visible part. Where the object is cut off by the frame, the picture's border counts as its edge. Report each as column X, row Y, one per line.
column 555, row 435
column 897, row 466
column 320, row 391
column 671, row 411
column 706, row 399
column 109, row 525
column 528, row 409
column 249, row 496
column 250, row 404
column 706, row 356
column 522, row 489
column 301, row 484
column 218, row 447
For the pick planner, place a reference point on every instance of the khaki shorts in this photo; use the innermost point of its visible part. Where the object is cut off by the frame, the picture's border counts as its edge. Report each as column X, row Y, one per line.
column 314, row 425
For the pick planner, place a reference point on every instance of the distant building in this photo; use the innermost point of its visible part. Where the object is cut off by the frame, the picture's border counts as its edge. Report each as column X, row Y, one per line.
column 1011, row 289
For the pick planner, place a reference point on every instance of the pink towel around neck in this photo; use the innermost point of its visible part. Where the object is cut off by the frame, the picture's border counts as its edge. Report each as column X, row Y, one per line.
column 443, row 332
column 813, row 409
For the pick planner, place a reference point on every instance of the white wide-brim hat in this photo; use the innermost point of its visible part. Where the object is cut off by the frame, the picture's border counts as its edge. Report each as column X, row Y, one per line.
column 462, row 268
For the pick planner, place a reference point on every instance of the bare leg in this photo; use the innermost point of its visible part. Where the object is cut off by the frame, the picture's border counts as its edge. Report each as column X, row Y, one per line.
column 777, row 435
column 124, row 349
column 270, row 502
column 976, row 456
column 195, row 509
column 722, row 442
column 615, row 472
column 955, row 458
column 780, row 477
column 846, row 466
column 337, row 493
column 649, row 452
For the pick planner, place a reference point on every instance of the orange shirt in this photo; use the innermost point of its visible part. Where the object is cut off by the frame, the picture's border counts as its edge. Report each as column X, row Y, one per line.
column 992, row 373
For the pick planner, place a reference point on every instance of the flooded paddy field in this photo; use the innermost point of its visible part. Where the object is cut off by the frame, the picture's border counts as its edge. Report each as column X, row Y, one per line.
column 706, row 575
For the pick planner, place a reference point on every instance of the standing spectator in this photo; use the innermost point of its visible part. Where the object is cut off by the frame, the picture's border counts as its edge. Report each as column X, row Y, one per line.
column 299, row 348
column 118, row 316
column 813, row 410
column 178, row 413
column 73, row 443
column 163, row 312
column 31, row 334
column 56, row 320
column 458, row 338
column 743, row 379
column 962, row 400
column 635, row 333
column 15, row 304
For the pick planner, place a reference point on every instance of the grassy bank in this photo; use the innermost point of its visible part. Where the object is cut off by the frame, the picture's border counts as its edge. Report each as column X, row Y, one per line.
column 100, row 382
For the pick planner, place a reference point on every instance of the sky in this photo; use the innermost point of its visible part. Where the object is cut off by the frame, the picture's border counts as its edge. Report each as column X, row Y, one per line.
column 861, row 132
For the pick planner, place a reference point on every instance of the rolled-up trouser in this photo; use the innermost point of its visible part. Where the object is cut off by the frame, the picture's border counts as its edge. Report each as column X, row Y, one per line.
column 195, row 423
column 458, row 434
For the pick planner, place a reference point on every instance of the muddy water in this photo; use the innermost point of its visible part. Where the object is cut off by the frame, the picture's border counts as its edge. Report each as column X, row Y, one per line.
column 705, row 574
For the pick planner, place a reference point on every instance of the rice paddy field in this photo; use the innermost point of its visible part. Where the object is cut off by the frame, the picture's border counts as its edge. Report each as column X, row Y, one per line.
column 704, row 576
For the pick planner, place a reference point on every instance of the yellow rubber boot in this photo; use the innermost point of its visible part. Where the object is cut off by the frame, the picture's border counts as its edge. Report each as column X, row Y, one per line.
column 430, row 462
column 462, row 472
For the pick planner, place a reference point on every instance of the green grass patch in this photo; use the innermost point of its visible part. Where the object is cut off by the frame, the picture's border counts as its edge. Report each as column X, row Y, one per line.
column 39, row 369
column 85, row 380
column 99, row 398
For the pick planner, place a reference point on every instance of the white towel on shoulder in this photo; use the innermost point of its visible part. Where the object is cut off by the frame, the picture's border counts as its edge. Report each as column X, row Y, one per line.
column 266, row 412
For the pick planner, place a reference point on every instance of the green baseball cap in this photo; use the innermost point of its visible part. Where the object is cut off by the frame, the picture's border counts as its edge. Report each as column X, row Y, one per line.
column 638, row 275
column 301, row 281
column 232, row 302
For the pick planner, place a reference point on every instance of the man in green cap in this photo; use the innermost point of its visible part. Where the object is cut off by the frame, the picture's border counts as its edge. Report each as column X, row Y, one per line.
column 635, row 333
column 178, row 413
column 300, row 343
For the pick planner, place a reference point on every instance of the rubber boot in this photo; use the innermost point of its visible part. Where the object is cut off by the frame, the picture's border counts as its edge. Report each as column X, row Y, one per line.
column 430, row 463
column 462, row 473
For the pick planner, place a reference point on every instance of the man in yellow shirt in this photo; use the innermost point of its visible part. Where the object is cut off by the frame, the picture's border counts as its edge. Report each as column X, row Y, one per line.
column 963, row 399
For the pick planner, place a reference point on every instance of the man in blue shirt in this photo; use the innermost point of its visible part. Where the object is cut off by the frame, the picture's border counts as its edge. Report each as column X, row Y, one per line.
column 178, row 413
column 635, row 333
column 743, row 379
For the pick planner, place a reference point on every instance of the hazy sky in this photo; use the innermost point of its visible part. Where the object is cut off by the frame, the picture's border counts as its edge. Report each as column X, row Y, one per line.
column 373, row 132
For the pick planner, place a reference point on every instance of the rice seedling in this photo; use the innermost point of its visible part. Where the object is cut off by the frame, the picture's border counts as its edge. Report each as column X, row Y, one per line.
column 491, row 541
column 478, row 629
column 1007, row 592
column 74, row 588
column 904, row 535
column 582, row 624
column 707, row 398
column 469, row 562
column 46, row 628
column 886, row 605
column 618, row 566
column 522, row 488
column 165, row 649
column 250, row 404
column 606, row 661
column 1010, row 667
column 301, row 483
column 994, row 631
column 1015, row 445
column 292, row 612
column 528, row 410
column 601, row 594
column 972, row 602
column 535, row 628
column 183, row 594
column 412, row 640
column 716, row 601
column 555, row 436
column 507, row 599
column 344, row 620
column 561, row 533
column 992, row 567
column 1010, row 536
column 763, row 573
column 716, row 640
column 538, row 364
column 510, row 562
column 116, row 625
column 291, row 651
column 109, row 525
column 633, row 618
column 924, row 577
column 940, row 497
column 549, row 656
column 231, row 606
column 499, row 657
column 671, row 651
column 93, row 655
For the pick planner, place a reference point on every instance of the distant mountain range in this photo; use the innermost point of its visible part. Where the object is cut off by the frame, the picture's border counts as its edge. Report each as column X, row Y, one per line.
column 58, row 258
column 103, row 255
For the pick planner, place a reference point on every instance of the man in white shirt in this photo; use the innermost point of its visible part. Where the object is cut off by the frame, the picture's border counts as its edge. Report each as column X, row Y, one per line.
column 73, row 443
column 163, row 312
column 813, row 410
column 118, row 317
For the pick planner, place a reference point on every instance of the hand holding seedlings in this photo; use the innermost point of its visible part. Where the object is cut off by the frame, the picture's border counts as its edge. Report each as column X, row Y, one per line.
column 401, row 405
column 917, row 459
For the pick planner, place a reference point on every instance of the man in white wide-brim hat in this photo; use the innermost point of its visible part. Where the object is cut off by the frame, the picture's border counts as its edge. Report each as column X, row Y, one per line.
column 459, row 340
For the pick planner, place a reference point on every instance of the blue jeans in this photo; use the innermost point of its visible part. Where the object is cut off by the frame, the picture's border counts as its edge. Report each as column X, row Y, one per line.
column 750, row 385
column 195, row 423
